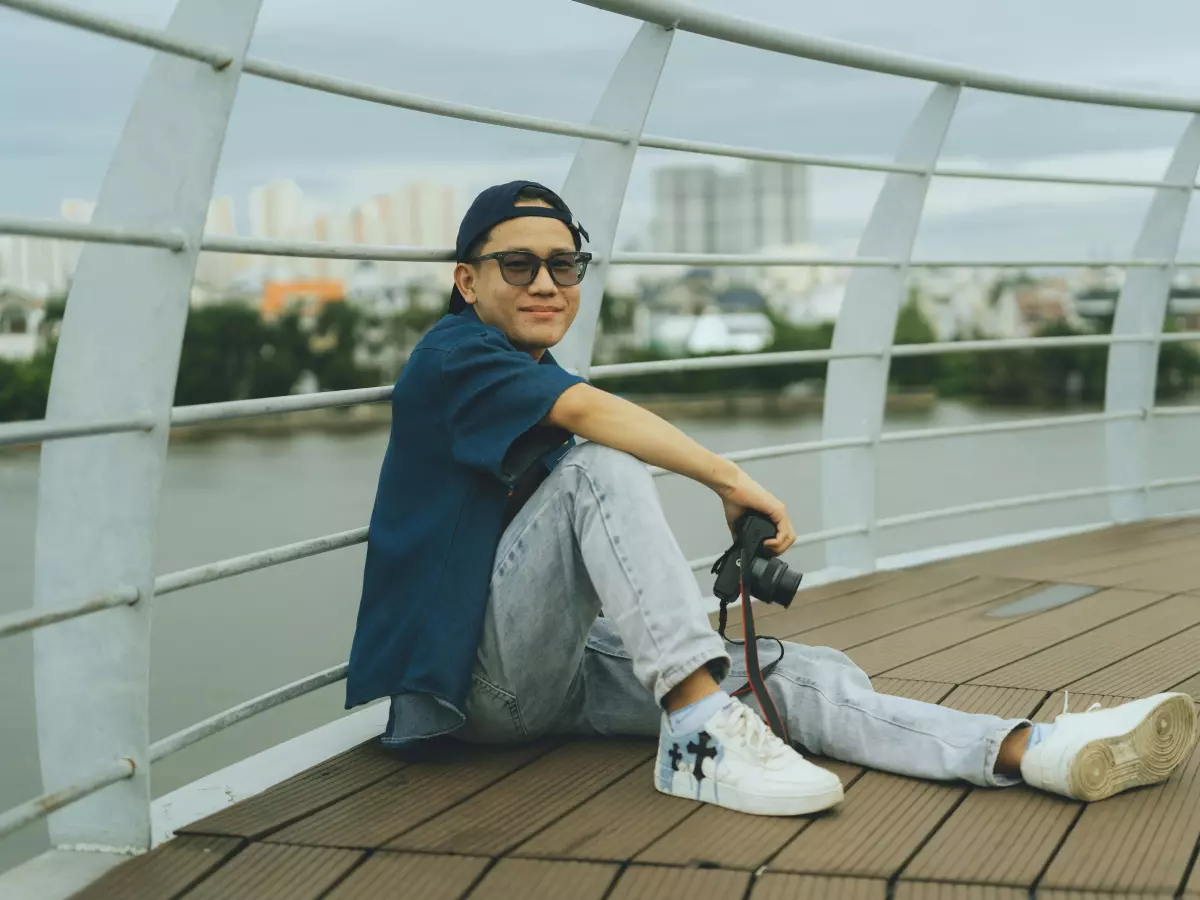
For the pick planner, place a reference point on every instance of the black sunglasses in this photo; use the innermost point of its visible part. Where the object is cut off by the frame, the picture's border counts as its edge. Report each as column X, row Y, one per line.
column 520, row 267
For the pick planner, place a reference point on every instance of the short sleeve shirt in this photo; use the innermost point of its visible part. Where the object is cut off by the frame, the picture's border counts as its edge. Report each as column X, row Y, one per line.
column 465, row 442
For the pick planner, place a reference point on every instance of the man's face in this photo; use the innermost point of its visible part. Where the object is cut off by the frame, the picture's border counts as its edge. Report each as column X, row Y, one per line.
column 536, row 316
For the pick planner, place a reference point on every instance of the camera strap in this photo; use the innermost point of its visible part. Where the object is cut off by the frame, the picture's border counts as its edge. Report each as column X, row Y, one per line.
column 754, row 674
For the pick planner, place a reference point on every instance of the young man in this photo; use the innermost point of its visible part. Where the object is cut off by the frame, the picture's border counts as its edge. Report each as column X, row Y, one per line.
column 519, row 584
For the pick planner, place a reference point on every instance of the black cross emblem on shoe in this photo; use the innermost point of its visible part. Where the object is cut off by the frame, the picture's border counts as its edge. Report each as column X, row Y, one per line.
column 676, row 756
column 701, row 751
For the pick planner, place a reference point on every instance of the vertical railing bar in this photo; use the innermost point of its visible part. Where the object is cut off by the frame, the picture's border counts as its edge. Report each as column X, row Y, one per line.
column 856, row 389
column 595, row 186
column 117, row 358
column 1132, row 373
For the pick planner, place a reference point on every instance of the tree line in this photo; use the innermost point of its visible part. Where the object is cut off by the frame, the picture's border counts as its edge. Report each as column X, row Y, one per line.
column 231, row 353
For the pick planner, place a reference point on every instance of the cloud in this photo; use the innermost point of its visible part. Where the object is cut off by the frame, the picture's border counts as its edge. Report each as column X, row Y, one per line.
column 544, row 57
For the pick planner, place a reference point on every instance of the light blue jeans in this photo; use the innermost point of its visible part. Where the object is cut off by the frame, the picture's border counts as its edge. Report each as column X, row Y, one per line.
column 594, row 616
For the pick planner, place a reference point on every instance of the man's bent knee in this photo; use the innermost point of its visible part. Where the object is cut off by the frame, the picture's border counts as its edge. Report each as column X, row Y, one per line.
column 604, row 461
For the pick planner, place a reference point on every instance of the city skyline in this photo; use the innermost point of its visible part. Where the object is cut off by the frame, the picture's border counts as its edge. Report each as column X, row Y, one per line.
column 57, row 144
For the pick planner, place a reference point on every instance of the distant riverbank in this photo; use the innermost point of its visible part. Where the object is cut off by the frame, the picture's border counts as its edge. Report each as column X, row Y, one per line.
column 723, row 405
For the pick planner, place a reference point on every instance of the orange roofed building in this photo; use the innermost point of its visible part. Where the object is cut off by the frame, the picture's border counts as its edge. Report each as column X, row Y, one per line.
column 309, row 295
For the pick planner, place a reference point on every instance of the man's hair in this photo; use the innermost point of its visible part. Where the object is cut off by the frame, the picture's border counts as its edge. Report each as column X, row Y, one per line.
column 530, row 192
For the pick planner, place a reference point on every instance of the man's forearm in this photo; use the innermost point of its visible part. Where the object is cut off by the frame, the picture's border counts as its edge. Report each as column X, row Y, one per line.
column 607, row 419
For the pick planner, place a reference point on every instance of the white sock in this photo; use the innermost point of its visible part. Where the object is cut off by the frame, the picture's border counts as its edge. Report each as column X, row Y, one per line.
column 693, row 716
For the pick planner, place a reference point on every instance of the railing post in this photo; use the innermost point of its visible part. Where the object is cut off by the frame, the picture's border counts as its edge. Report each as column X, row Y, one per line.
column 118, row 356
column 856, row 389
column 1141, row 309
column 595, row 186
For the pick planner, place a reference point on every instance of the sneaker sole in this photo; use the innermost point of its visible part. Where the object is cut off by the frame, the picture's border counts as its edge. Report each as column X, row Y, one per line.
column 1146, row 754
column 684, row 785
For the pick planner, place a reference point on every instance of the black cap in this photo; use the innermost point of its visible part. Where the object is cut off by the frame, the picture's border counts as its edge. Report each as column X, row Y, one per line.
column 499, row 204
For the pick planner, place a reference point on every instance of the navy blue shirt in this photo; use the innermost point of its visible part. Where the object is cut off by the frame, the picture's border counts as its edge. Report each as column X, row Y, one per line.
column 465, row 447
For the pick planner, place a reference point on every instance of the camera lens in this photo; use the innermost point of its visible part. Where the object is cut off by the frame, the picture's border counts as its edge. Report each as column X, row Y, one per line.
column 771, row 581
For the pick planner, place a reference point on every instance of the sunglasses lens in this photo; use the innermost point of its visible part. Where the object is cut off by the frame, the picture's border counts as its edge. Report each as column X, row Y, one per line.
column 518, row 268
column 566, row 269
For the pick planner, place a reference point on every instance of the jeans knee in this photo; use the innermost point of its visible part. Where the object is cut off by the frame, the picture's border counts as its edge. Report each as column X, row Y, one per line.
column 830, row 671
column 608, row 464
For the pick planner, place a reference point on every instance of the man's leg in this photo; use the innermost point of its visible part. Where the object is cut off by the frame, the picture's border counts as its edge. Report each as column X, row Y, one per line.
column 592, row 537
column 830, row 708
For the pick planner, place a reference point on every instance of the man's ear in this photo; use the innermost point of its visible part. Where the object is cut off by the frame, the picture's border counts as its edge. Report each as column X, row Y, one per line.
column 464, row 280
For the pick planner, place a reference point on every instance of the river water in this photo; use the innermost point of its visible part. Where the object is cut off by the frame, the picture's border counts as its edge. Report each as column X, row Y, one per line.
column 220, row 644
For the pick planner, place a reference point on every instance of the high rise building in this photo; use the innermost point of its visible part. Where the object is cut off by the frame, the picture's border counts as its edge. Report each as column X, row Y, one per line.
column 36, row 266
column 778, row 204
column 277, row 210
column 703, row 209
column 277, row 213
column 218, row 270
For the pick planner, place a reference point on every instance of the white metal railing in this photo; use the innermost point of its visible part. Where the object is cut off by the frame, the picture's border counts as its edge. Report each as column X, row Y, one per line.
column 188, row 736
column 252, row 562
column 669, row 15
column 15, row 623
column 15, row 433
column 154, row 38
column 174, row 240
column 40, row 807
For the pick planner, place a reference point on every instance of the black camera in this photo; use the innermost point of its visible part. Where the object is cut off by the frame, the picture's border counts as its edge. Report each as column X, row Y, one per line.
column 769, row 578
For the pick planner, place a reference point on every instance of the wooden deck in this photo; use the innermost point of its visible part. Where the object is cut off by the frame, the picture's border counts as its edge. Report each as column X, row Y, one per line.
column 581, row 820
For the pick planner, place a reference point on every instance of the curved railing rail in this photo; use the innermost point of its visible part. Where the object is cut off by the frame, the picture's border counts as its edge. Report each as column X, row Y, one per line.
column 169, row 237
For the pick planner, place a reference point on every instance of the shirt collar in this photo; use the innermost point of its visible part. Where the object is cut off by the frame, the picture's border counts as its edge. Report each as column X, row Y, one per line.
column 470, row 314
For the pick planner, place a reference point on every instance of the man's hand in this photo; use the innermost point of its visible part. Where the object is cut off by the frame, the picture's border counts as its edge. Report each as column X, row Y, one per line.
column 743, row 495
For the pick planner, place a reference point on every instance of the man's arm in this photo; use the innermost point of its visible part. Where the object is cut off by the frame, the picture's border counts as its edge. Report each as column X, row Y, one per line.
column 607, row 419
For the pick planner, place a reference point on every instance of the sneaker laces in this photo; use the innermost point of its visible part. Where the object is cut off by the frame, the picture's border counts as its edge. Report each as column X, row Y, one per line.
column 1067, row 703
column 741, row 722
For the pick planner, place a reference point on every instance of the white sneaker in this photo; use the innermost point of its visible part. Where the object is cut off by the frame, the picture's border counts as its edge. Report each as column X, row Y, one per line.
column 1095, row 754
column 736, row 761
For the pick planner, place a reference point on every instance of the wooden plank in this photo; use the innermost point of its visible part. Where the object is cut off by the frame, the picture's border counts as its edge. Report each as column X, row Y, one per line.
column 421, row 875
column 1191, row 686
column 1140, row 840
column 1173, row 574
column 1028, row 560
column 880, row 824
column 269, row 871
column 533, row 879
column 899, row 617
column 720, row 837
column 661, row 883
column 508, row 813
column 1150, row 671
column 1007, row 703
column 926, row 691
column 164, row 872
column 1124, row 557
column 982, row 645
column 996, row 837
column 371, row 818
column 588, row 831
column 807, row 595
column 1090, row 652
column 773, row 886
column 1192, row 890
column 918, row 890
column 1023, row 560
column 907, row 587
column 302, row 794
column 1179, row 573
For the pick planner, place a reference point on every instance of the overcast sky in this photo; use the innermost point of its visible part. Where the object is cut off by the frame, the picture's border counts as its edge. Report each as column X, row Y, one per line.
column 64, row 96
